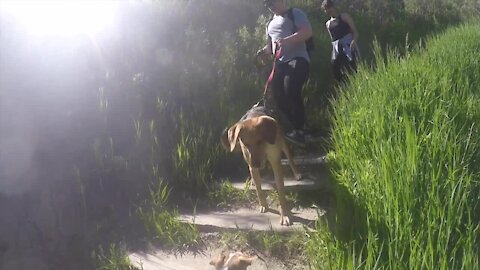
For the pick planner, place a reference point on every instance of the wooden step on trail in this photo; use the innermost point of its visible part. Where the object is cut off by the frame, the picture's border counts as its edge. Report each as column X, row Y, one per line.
column 307, row 160
column 268, row 183
column 251, row 219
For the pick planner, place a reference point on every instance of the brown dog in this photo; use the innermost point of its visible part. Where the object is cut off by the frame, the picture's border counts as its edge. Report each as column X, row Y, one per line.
column 235, row 261
column 260, row 138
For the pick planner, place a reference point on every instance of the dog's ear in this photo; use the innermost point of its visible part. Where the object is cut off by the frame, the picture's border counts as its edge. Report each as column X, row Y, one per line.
column 218, row 261
column 233, row 133
column 224, row 139
column 268, row 129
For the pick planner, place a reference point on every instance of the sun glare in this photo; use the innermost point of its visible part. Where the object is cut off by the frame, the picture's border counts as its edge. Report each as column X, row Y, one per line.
column 62, row 17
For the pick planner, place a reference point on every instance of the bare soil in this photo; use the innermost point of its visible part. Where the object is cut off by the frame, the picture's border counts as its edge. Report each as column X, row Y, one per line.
column 199, row 260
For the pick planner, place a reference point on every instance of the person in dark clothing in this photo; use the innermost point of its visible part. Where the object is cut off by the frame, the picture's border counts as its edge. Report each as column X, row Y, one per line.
column 286, row 39
column 344, row 35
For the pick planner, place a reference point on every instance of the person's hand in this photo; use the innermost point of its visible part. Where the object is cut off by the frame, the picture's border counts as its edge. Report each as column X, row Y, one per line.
column 262, row 54
column 261, row 51
column 281, row 42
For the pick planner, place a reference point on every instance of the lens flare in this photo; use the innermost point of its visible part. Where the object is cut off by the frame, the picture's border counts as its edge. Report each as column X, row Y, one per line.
column 62, row 17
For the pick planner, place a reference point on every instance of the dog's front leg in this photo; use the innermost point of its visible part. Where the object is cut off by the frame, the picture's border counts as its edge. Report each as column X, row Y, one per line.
column 262, row 199
column 278, row 173
column 296, row 173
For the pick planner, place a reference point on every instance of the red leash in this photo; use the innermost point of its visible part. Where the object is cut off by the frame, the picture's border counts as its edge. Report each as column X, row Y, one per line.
column 270, row 77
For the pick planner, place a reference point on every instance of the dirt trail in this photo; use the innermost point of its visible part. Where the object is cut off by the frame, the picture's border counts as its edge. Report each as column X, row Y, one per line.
column 190, row 261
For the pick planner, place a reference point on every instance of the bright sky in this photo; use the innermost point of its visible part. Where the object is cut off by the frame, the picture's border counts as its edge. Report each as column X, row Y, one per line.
column 59, row 17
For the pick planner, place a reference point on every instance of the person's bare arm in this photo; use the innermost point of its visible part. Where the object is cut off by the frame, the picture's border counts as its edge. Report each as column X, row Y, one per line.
column 267, row 49
column 346, row 18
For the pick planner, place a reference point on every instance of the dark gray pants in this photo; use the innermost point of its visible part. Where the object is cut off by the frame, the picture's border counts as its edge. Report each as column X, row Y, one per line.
column 342, row 66
column 286, row 87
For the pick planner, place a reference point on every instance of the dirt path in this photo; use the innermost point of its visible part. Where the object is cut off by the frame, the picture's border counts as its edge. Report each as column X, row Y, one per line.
column 250, row 232
column 230, row 234
column 162, row 260
column 190, row 261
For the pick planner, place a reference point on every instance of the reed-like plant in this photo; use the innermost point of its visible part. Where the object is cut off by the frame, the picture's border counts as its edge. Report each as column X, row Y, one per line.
column 162, row 223
column 283, row 246
column 113, row 258
column 407, row 162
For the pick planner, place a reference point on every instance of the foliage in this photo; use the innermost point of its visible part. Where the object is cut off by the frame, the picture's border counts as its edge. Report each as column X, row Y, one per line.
column 163, row 224
column 149, row 100
column 224, row 194
column 115, row 258
column 147, row 97
column 282, row 246
column 406, row 161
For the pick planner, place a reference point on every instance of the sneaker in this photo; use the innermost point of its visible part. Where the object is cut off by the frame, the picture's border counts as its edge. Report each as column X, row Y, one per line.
column 296, row 136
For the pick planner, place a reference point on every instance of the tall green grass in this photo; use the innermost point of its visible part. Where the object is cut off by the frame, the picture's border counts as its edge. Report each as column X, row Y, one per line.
column 407, row 162
column 113, row 258
column 162, row 222
column 286, row 247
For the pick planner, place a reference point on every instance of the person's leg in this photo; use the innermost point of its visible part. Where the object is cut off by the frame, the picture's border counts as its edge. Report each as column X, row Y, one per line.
column 293, row 84
column 352, row 65
column 336, row 69
column 297, row 74
column 339, row 67
column 278, row 92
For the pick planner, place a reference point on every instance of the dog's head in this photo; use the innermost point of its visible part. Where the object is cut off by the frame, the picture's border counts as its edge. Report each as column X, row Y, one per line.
column 251, row 135
column 234, row 261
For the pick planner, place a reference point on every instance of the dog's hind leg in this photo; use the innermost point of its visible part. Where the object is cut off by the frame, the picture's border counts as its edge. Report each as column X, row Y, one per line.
column 262, row 198
column 296, row 173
